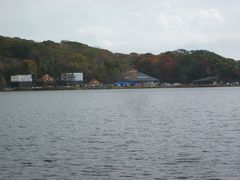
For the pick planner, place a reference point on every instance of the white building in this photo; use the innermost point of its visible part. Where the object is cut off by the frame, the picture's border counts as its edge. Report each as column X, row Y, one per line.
column 21, row 78
column 72, row 77
column 24, row 81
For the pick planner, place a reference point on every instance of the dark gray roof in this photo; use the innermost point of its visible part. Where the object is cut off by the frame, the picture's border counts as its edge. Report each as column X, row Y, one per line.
column 141, row 77
column 206, row 79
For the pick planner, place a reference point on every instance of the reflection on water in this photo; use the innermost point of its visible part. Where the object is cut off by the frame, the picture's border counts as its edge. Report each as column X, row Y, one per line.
column 121, row 134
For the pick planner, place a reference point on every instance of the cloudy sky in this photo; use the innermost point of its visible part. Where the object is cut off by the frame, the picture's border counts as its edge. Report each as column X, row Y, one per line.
column 128, row 25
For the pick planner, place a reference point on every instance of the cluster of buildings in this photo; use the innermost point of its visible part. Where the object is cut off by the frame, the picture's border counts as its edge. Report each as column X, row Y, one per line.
column 66, row 79
column 135, row 78
column 130, row 78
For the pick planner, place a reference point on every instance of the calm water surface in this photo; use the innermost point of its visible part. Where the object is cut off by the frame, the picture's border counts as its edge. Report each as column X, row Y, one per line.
column 121, row 134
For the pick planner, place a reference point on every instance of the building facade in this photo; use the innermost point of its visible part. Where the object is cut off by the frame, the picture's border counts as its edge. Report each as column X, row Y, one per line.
column 135, row 78
column 72, row 79
column 24, row 80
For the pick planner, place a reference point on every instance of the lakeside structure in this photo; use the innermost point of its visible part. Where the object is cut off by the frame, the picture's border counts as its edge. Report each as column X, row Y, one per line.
column 206, row 80
column 94, row 84
column 46, row 81
column 135, row 78
column 24, row 81
column 72, row 79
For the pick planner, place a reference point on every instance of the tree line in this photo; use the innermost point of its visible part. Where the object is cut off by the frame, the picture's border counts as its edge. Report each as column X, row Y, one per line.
column 20, row 56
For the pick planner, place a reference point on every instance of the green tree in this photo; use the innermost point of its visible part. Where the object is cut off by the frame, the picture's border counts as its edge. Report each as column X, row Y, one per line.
column 29, row 66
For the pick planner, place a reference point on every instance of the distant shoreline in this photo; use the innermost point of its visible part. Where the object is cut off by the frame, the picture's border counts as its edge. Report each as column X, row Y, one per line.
column 111, row 87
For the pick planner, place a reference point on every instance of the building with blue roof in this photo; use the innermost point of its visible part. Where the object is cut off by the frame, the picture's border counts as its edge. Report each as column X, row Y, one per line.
column 133, row 78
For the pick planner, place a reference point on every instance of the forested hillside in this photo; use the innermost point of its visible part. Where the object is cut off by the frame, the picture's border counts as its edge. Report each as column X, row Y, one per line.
column 19, row 56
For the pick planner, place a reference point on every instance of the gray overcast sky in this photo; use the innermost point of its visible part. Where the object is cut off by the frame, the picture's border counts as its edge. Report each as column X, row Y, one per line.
column 128, row 25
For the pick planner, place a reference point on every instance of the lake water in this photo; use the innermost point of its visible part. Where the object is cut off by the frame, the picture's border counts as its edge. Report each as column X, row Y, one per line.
column 191, row 133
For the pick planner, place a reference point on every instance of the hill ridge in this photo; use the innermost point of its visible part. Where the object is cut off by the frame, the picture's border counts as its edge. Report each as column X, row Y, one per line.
column 18, row 56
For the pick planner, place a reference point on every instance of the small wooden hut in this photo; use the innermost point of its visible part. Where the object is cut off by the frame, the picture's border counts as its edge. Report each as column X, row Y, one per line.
column 47, row 80
column 94, row 83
